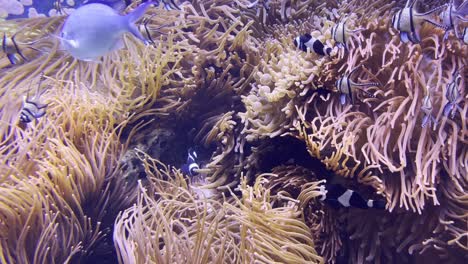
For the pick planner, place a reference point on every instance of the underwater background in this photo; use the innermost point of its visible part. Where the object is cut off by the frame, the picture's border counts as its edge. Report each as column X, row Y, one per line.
column 235, row 131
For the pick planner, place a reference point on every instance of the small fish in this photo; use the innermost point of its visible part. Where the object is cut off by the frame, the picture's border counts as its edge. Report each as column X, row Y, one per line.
column 191, row 166
column 409, row 22
column 341, row 33
column 170, row 5
column 32, row 109
column 346, row 87
column 262, row 8
column 307, row 41
column 338, row 196
column 58, row 6
column 453, row 96
column 144, row 29
column 11, row 47
column 426, row 108
column 452, row 16
column 93, row 30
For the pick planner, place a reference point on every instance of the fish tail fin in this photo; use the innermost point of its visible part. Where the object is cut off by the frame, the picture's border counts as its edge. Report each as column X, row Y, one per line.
column 377, row 204
column 133, row 16
column 138, row 12
column 357, row 201
column 328, row 51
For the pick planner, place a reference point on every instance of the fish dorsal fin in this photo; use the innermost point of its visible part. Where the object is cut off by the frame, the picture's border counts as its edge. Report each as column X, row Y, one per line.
column 41, row 78
column 352, row 71
column 410, row 3
column 432, row 10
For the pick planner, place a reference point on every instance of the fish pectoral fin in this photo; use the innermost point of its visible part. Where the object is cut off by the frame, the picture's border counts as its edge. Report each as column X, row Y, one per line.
column 75, row 44
column 93, row 59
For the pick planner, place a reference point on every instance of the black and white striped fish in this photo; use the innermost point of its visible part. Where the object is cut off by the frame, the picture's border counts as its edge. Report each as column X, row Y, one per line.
column 341, row 33
column 409, row 22
column 191, row 167
column 453, row 95
column 10, row 48
column 306, row 41
column 338, row 196
column 453, row 15
column 32, row 109
column 170, row 5
column 347, row 87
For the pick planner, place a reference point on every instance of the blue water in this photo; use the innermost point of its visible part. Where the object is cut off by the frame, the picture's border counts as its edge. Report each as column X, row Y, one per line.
column 44, row 6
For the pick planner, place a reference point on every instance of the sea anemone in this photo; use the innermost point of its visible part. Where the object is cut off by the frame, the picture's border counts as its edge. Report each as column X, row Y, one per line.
column 97, row 178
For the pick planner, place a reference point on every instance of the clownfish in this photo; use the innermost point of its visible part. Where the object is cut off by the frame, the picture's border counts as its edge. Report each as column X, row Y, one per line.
column 338, row 196
column 409, row 22
column 191, row 167
column 32, row 109
column 307, row 41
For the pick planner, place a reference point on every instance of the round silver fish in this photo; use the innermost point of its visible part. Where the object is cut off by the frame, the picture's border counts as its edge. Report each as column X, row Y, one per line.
column 96, row 29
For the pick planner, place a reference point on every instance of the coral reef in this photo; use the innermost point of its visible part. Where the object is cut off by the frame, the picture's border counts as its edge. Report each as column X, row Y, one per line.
column 97, row 178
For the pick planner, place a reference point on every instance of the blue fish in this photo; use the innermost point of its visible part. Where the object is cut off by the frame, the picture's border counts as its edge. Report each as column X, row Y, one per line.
column 95, row 29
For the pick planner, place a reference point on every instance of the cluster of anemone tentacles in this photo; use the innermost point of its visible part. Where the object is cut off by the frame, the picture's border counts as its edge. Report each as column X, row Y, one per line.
column 97, row 177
